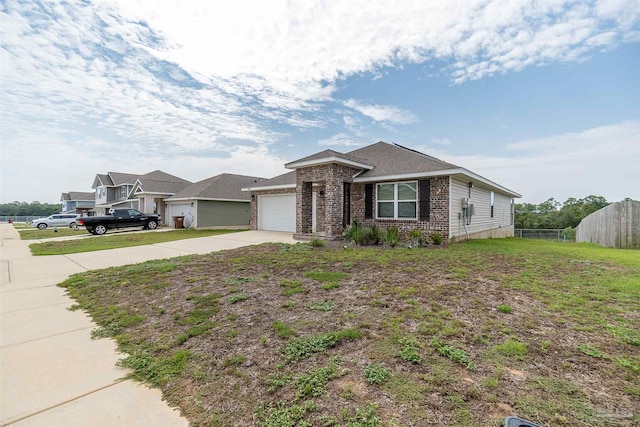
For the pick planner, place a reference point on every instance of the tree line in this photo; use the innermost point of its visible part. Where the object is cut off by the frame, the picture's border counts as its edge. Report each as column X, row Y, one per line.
column 29, row 209
column 553, row 214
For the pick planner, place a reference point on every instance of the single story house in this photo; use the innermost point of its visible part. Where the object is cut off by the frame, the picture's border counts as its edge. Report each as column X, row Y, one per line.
column 216, row 202
column 384, row 185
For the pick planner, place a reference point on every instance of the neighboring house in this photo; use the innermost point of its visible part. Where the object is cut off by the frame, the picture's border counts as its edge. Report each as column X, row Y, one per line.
column 113, row 190
column 216, row 202
column 78, row 202
column 153, row 188
column 384, row 185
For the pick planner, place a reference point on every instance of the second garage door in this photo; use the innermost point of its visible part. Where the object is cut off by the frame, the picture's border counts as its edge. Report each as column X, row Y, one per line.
column 277, row 212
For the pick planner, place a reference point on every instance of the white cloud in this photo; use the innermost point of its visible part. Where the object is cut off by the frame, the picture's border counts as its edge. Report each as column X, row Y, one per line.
column 341, row 139
column 601, row 161
column 440, row 141
column 383, row 113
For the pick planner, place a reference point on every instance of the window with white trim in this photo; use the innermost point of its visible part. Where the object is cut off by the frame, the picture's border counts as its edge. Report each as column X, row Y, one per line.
column 397, row 200
column 123, row 191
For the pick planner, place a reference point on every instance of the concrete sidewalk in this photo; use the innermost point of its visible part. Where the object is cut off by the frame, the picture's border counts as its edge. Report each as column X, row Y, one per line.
column 51, row 372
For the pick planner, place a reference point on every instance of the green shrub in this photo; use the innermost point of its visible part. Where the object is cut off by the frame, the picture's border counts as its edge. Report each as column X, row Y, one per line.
column 373, row 236
column 376, row 374
column 390, row 237
column 316, row 242
column 354, row 232
column 436, row 238
column 415, row 236
column 569, row 234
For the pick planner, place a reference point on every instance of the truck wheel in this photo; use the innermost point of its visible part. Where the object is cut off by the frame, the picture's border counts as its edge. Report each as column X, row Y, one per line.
column 90, row 230
column 152, row 225
column 100, row 229
column 42, row 226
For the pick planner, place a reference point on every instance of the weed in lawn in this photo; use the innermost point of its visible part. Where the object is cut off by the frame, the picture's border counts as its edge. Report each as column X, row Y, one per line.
column 239, row 280
column 283, row 414
column 314, row 383
column 238, row 298
column 153, row 370
column 283, row 330
column 304, row 347
column 316, row 243
column 362, row 417
column 455, row 354
column 236, row 360
column 321, row 305
column 409, row 351
column 511, row 349
column 291, row 287
column 325, row 276
column 502, row 308
column 376, row 374
column 330, row 285
column 591, row 351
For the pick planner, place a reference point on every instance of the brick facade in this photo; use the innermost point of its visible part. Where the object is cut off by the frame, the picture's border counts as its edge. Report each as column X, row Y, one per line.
column 253, row 220
column 332, row 176
column 438, row 217
column 329, row 182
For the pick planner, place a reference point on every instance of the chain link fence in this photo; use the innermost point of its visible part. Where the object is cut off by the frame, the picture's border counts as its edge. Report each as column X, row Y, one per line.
column 543, row 234
column 20, row 218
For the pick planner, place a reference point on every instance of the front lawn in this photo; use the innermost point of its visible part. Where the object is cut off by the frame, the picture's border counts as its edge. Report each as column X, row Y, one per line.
column 30, row 233
column 123, row 240
column 290, row 335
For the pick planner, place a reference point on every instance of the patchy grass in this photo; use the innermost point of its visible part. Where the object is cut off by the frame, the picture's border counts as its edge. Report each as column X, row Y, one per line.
column 30, row 233
column 100, row 243
column 411, row 337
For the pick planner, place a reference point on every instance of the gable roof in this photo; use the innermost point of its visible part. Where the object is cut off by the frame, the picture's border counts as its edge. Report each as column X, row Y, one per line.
column 160, row 182
column 119, row 178
column 77, row 195
column 393, row 159
column 225, row 186
column 328, row 156
column 382, row 162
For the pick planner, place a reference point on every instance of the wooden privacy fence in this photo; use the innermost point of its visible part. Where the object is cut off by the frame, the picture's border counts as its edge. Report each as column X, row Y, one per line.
column 616, row 226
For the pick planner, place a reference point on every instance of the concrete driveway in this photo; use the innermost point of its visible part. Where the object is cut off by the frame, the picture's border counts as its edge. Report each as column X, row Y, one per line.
column 52, row 372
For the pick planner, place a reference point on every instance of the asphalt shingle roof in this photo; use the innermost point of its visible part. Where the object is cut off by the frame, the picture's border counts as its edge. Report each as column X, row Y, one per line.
column 329, row 153
column 223, row 186
column 284, row 179
column 392, row 159
column 119, row 178
column 162, row 182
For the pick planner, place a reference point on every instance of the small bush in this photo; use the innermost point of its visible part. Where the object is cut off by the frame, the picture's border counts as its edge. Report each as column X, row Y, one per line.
column 415, row 236
column 376, row 374
column 390, row 237
column 436, row 238
column 316, row 242
column 569, row 234
column 354, row 232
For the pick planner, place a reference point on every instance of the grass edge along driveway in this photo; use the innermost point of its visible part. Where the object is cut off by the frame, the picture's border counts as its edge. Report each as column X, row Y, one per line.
column 100, row 243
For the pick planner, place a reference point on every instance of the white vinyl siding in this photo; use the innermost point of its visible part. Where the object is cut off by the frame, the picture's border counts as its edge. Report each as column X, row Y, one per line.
column 481, row 199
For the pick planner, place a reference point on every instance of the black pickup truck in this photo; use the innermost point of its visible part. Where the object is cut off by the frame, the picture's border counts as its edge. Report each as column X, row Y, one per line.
column 121, row 218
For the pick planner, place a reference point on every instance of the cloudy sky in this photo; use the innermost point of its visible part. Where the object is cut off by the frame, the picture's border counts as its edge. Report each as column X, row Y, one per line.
column 542, row 96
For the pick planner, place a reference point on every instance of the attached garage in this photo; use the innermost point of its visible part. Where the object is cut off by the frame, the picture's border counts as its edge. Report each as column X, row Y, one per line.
column 180, row 209
column 277, row 212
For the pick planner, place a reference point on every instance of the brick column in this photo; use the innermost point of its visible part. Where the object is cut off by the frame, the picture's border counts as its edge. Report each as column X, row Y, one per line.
column 304, row 207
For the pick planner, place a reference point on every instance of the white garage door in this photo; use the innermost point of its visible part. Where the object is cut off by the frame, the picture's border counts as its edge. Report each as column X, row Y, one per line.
column 183, row 209
column 277, row 213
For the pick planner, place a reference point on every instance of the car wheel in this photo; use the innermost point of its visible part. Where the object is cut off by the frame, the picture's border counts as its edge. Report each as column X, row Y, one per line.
column 152, row 225
column 100, row 229
column 42, row 226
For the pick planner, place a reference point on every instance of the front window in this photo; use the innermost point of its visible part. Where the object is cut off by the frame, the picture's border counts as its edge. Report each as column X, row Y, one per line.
column 397, row 200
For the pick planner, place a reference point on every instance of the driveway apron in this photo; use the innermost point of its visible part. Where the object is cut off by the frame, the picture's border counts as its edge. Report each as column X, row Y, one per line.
column 51, row 372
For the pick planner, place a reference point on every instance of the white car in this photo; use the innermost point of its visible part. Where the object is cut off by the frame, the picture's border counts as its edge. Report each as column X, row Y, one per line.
column 57, row 220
